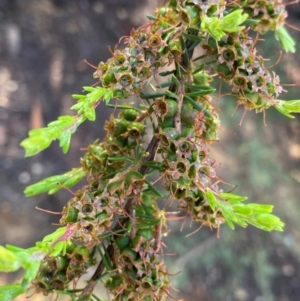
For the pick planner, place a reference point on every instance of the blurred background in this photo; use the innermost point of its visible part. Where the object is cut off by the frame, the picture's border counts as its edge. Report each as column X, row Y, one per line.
column 43, row 44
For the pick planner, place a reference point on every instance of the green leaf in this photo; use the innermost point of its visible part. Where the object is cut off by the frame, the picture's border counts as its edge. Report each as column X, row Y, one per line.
column 65, row 126
column 30, row 273
column 9, row 292
column 267, row 222
column 87, row 103
column 242, row 209
column 217, row 28
column 196, row 105
column 120, row 159
column 286, row 41
column 211, row 25
column 293, row 106
column 39, row 139
column 258, row 215
column 58, row 241
column 63, row 121
column 165, row 85
column 229, row 223
column 23, row 256
column 64, row 140
column 58, row 233
column 55, row 183
column 108, row 96
column 35, row 144
column 230, row 214
column 88, row 89
column 251, row 22
column 152, row 96
column 286, row 107
column 8, row 260
column 96, row 95
column 153, row 189
column 26, row 256
column 284, row 112
column 12, row 258
column 231, row 22
column 171, row 94
column 193, row 38
column 78, row 106
column 260, row 208
column 59, row 248
column 78, row 96
column 201, row 92
column 90, row 113
column 213, row 202
column 232, row 198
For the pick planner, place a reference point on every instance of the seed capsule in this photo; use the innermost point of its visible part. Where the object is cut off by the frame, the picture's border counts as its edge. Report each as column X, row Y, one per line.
column 130, row 114
column 126, row 80
column 109, row 78
column 171, row 107
column 167, row 135
column 71, row 215
column 187, row 132
column 167, row 122
column 188, row 117
column 87, row 209
column 120, row 127
column 146, row 233
column 120, row 59
column 129, row 253
column 136, row 129
column 81, row 254
column 122, row 242
column 154, row 41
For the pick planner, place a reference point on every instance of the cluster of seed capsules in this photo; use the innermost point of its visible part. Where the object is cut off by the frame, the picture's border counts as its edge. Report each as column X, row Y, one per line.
column 238, row 65
column 189, row 171
column 138, row 273
column 157, row 44
column 94, row 209
column 130, row 69
column 271, row 14
column 151, row 46
column 86, row 216
column 55, row 273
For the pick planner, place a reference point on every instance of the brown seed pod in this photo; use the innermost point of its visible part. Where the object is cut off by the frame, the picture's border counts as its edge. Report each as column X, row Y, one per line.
column 166, row 108
column 125, row 80
column 154, row 41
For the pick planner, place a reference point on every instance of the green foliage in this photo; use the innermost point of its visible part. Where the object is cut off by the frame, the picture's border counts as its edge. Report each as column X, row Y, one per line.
column 258, row 215
column 11, row 291
column 87, row 102
column 286, row 41
column 63, row 128
column 288, row 107
column 55, row 183
column 13, row 258
column 217, row 27
column 116, row 214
